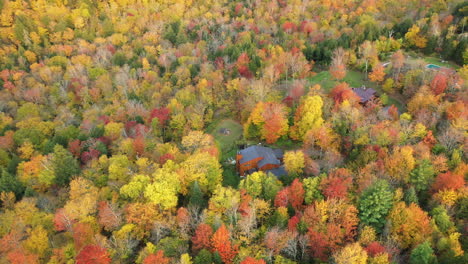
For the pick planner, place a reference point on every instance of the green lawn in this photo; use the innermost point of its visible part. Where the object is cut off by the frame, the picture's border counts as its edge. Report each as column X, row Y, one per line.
column 228, row 147
column 324, row 79
column 226, row 142
column 354, row 79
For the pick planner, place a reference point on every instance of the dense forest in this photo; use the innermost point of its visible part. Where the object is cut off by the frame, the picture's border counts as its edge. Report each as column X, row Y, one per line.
column 122, row 121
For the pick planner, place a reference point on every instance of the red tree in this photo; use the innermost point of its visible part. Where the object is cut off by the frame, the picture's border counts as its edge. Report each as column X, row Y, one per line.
column 292, row 223
column 10, row 242
column 377, row 74
column 157, row 258
column 201, row 239
column 243, row 66
column 374, row 249
column 166, row 157
column 75, row 147
column 281, row 199
column 108, row 217
column 289, row 27
column 296, row 194
column 82, row 235
column 393, row 112
column 319, row 246
column 336, row 187
column 93, row 254
column 448, row 180
column 250, row 260
column 338, row 71
column 429, row 139
column 139, row 145
column 244, row 206
column 456, row 110
column 18, row 257
column 220, row 243
column 183, row 216
column 62, row 221
column 342, row 92
column 162, row 114
column 439, row 83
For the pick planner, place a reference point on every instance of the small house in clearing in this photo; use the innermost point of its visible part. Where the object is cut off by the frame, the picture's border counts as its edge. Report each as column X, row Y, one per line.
column 365, row 94
column 255, row 158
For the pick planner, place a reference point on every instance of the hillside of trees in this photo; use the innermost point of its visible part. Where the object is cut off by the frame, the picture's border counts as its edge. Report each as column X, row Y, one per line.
column 110, row 143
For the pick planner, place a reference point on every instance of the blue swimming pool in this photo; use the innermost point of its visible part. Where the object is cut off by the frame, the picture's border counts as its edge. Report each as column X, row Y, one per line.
column 432, row 66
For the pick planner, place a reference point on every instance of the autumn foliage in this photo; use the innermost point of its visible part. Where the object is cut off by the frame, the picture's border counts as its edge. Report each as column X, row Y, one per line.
column 157, row 258
column 93, row 254
column 121, row 123
column 221, row 243
column 448, row 181
column 202, row 237
column 250, row 260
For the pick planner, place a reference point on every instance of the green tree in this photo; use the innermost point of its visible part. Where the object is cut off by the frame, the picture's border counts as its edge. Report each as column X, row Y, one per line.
column 375, row 204
column 312, row 189
column 135, row 187
column 261, row 185
column 203, row 257
column 442, row 219
column 9, row 183
column 64, row 165
column 196, row 197
column 411, row 196
column 118, row 167
column 422, row 176
column 423, row 254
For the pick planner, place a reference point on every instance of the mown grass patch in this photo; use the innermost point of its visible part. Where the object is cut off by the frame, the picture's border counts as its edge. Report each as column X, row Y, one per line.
column 353, row 78
column 228, row 147
column 226, row 142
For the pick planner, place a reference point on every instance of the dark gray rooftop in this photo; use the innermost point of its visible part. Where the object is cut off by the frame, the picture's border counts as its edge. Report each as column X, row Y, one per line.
column 278, row 172
column 279, row 153
column 254, row 152
column 364, row 94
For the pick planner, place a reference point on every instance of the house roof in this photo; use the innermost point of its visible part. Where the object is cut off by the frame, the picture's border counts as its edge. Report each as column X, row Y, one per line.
column 364, row 94
column 278, row 172
column 279, row 153
column 254, row 152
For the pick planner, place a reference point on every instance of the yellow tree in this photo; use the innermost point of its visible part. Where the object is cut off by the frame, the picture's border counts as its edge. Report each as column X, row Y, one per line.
column 197, row 140
column 201, row 167
column 83, row 199
column 294, row 162
column 135, row 187
column 410, row 225
column 351, row 254
column 118, row 167
column 400, row 163
column 308, row 116
column 414, row 38
column 165, row 187
column 38, row 241
column 268, row 121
